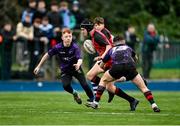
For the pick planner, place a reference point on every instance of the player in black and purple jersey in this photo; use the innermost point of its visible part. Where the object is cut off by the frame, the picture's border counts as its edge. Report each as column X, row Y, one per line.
column 123, row 64
column 70, row 60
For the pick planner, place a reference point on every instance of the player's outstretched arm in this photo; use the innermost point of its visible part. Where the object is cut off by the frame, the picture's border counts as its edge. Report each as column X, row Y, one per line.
column 44, row 58
column 78, row 64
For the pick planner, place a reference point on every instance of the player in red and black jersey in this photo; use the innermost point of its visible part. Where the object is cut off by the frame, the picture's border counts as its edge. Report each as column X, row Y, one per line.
column 102, row 42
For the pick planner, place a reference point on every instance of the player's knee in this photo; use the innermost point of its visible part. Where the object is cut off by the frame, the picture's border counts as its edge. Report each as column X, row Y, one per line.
column 105, row 80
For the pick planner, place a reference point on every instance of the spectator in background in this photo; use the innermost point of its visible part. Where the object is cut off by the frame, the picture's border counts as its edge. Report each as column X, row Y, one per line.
column 78, row 14
column 56, row 20
column 130, row 37
column 68, row 18
column 8, row 36
column 37, row 46
column 30, row 10
column 46, row 28
column 53, row 15
column 25, row 34
column 41, row 10
column 150, row 42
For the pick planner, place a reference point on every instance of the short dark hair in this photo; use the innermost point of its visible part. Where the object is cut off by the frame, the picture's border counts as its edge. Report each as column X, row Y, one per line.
column 87, row 24
column 45, row 18
column 118, row 38
column 31, row 1
column 37, row 20
column 98, row 20
column 54, row 3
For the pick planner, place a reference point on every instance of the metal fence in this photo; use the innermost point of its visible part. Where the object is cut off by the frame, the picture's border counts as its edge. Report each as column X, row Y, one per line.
column 168, row 55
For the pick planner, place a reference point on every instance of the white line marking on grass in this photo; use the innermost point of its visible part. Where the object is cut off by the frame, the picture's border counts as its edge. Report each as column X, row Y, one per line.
column 115, row 113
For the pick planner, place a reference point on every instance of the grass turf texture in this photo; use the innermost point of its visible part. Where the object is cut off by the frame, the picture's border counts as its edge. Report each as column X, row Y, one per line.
column 59, row 108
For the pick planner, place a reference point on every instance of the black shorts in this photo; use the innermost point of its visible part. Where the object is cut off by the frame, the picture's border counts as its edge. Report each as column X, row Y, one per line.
column 66, row 77
column 126, row 70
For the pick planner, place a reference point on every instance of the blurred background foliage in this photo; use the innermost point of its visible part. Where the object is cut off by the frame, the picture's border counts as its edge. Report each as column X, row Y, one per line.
column 117, row 13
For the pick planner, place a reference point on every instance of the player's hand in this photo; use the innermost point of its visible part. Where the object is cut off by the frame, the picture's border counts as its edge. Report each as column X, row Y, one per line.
column 36, row 70
column 97, row 58
column 77, row 66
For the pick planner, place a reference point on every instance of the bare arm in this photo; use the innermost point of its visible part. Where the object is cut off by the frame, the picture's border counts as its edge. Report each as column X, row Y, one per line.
column 108, row 47
column 78, row 64
column 44, row 58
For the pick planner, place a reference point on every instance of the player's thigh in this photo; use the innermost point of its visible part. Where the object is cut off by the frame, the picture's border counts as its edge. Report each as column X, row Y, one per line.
column 66, row 79
column 140, row 83
column 106, row 78
column 80, row 77
column 95, row 70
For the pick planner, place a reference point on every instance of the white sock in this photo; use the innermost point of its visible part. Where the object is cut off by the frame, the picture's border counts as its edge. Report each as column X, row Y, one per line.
column 94, row 86
column 154, row 105
column 96, row 102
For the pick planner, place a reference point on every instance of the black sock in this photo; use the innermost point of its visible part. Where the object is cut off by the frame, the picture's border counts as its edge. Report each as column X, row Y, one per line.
column 99, row 93
column 122, row 94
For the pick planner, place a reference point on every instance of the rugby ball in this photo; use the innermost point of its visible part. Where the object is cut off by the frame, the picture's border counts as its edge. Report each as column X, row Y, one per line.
column 88, row 47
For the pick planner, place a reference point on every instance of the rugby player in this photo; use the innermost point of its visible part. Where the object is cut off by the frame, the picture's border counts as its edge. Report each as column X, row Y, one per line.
column 70, row 59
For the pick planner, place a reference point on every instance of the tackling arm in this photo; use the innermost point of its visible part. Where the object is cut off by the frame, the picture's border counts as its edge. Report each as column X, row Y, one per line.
column 44, row 58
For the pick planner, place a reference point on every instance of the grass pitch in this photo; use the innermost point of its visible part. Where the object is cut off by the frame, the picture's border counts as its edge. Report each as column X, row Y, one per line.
column 59, row 108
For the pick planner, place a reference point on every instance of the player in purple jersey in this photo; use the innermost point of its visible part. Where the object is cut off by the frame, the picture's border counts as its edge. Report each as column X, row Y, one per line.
column 70, row 60
column 123, row 64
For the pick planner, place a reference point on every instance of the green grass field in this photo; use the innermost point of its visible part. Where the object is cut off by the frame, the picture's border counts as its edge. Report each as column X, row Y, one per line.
column 59, row 108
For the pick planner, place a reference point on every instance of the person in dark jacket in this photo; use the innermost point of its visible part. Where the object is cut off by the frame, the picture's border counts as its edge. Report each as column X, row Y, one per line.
column 8, row 36
column 41, row 10
column 150, row 42
column 36, row 47
column 29, row 11
column 130, row 37
column 78, row 14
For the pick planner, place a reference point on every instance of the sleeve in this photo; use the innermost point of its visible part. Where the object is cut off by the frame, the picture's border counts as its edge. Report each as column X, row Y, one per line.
column 78, row 52
column 19, row 32
column 31, row 33
column 107, row 56
column 53, row 51
column 99, row 39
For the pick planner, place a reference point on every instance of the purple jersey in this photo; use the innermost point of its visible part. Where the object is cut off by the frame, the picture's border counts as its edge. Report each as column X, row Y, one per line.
column 121, row 54
column 67, row 55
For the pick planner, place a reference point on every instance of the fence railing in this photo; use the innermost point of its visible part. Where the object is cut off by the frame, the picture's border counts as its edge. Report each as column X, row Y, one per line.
column 161, row 56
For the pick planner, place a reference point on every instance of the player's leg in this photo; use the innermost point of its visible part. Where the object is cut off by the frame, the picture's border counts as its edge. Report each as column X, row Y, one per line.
column 82, row 80
column 120, row 93
column 100, row 90
column 106, row 80
column 147, row 93
column 66, row 80
column 92, row 76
